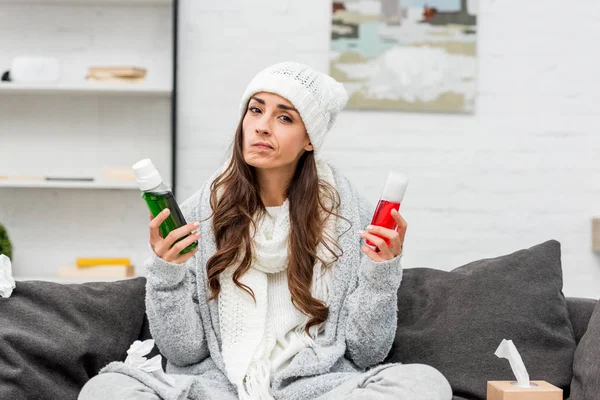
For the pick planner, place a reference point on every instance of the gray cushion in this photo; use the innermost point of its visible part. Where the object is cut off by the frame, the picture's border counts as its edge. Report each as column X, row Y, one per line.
column 586, row 364
column 580, row 312
column 454, row 321
column 54, row 337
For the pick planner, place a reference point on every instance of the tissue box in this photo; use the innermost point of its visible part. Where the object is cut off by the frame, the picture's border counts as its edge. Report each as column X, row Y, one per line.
column 505, row 390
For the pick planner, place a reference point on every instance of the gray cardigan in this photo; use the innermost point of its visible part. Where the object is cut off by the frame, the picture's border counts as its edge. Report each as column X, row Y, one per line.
column 358, row 332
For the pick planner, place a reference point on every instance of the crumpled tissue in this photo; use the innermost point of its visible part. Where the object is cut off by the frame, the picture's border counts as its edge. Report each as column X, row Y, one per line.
column 7, row 282
column 508, row 350
column 136, row 359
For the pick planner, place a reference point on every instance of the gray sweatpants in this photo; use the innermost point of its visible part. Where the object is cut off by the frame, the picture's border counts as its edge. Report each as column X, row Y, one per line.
column 398, row 382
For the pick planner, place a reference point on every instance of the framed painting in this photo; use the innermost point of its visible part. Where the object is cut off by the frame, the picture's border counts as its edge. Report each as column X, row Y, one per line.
column 414, row 55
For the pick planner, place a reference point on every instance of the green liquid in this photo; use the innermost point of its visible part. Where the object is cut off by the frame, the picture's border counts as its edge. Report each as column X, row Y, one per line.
column 158, row 202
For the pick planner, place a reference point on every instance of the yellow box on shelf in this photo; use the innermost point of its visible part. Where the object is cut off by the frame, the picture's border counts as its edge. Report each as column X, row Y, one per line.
column 83, row 262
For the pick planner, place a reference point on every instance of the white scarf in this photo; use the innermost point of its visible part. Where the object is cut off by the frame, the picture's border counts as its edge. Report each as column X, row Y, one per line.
column 248, row 338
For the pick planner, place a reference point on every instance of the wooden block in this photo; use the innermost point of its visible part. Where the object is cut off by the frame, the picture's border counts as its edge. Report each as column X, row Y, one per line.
column 596, row 234
column 109, row 271
column 506, row 390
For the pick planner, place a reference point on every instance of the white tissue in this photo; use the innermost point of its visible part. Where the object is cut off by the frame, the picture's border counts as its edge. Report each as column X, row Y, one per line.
column 508, row 350
column 7, row 282
column 135, row 358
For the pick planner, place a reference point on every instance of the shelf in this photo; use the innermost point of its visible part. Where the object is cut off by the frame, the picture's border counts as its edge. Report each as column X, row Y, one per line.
column 89, row 2
column 9, row 183
column 85, row 89
column 58, row 279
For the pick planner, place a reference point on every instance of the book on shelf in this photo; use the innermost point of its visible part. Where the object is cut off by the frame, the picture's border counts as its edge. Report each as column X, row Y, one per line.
column 122, row 74
column 121, row 174
column 86, row 262
column 98, row 271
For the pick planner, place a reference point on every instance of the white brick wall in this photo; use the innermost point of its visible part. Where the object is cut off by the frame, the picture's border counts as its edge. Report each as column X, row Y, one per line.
column 521, row 170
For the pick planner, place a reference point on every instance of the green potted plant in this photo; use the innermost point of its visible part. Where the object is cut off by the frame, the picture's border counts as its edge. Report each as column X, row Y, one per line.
column 5, row 245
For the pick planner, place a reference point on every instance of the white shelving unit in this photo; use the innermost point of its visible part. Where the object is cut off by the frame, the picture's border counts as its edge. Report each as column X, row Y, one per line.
column 77, row 128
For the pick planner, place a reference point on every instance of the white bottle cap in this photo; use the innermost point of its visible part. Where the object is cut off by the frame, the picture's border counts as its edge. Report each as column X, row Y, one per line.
column 395, row 187
column 146, row 174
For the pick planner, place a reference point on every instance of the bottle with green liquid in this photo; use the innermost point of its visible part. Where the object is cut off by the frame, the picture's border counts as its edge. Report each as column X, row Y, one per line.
column 159, row 196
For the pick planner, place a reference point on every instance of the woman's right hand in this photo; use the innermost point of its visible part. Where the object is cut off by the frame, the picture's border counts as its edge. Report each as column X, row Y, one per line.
column 164, row 248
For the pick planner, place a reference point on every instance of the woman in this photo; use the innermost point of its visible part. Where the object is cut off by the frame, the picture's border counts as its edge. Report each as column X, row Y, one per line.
column 280, row 300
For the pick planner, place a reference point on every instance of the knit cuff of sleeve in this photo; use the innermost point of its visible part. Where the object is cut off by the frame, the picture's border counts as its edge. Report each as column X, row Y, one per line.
column 164, row 274
column 385, row 275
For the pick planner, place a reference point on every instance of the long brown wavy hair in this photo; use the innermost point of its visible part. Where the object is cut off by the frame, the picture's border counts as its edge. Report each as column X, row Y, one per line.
column 311, row 202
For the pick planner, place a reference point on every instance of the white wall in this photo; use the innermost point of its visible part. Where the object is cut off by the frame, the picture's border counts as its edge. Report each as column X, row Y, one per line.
column 523, row 169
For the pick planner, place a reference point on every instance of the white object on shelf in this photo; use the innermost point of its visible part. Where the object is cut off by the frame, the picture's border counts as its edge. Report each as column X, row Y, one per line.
column 35, row 69
column 85, row 88
column 66, row 184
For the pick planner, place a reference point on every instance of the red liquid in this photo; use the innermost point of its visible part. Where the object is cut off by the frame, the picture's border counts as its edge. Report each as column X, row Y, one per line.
column 383, row 217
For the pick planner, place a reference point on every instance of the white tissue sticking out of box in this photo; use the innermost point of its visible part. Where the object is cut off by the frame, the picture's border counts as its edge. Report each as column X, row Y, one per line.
column 7, row 282
column 508, row 350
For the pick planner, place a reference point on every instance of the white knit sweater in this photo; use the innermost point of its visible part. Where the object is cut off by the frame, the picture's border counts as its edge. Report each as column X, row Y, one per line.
column 287, row 320
column 262, row 334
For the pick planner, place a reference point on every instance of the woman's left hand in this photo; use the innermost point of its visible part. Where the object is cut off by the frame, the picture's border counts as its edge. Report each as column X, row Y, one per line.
column 374, row 234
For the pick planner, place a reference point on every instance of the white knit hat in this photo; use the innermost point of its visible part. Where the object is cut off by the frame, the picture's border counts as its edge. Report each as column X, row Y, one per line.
column 317, row 96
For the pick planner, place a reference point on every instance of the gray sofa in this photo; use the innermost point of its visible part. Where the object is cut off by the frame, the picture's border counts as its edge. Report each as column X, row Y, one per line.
column 54, row 337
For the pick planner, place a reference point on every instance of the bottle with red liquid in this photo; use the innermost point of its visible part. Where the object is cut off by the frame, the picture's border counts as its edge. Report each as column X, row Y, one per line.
column 392, row 196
